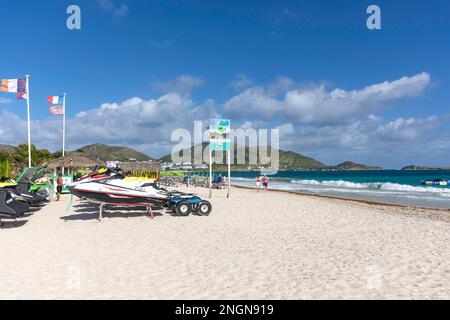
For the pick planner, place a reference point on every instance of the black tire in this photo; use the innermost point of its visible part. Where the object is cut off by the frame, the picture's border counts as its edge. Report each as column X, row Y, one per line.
column 195, row 204
column 183, row 208
column 204, row 208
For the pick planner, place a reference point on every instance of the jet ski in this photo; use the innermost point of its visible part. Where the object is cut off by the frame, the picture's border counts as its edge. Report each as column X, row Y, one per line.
column 21, row 188
column 11, row 207
column 116, row 190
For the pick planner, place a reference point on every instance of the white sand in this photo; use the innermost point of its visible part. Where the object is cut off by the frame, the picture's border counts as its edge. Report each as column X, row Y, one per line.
column 267, row 245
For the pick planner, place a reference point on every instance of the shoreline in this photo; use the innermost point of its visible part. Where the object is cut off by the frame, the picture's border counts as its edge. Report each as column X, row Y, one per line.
column 426, row 212
column 370, row 202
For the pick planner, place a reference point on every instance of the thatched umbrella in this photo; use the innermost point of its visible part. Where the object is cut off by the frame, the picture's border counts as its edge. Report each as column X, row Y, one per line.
column 72, row 161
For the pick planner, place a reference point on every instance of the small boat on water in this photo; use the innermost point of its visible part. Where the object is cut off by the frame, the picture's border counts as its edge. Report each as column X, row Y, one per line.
column 436, row 182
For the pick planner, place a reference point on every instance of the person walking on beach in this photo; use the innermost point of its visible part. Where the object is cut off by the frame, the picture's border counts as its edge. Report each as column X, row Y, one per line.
column 59, row 187
column 258, row 183
column 219, row 181
column 265, row 182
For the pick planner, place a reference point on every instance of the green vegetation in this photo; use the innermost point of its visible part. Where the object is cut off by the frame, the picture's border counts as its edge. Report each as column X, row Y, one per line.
column 18, row 156
column 112, row 153
column 5, row 167
column 172, row 173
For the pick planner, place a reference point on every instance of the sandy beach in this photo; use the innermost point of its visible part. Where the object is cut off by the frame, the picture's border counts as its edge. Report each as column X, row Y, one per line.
column 265, row 245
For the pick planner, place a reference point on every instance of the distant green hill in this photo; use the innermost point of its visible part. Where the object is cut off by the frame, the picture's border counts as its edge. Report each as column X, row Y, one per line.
column 348, row 165
column 112, row 153
column 288, row 159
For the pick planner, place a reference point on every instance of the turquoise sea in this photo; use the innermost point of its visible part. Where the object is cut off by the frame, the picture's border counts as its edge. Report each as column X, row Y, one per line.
column 390, row 186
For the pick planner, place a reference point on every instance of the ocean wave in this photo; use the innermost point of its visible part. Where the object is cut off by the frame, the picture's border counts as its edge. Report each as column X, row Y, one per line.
column 343, row 185
column 383, row 186
column 388, row 192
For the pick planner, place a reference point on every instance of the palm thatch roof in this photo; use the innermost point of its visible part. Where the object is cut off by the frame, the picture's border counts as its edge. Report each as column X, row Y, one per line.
column 71, row 161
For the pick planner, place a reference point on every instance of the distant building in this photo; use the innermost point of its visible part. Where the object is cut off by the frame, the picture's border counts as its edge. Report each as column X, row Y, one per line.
column 200, row 166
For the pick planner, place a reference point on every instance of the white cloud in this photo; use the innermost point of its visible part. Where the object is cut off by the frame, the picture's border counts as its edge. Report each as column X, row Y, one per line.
column 281, row 85
column 253, row 103
column 393, row 143
column 181, row 84
column 330, row 125
column 241, row 82
column 286, row 129
column 118, row 11
column 406, row 129
column 316, row 105
column 4, row 100
column 143, row 124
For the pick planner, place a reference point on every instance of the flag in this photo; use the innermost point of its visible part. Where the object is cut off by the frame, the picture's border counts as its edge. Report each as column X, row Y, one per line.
column 22, row 96
column 22, row 85
column 54, row 99
column 9, row 85
column 56, row 110
column 13, row 85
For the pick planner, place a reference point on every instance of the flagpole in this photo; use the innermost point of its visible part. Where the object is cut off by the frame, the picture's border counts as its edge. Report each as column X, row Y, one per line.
column 229, row 172
column 64, row 128
column 27, row 86
column 210, row 171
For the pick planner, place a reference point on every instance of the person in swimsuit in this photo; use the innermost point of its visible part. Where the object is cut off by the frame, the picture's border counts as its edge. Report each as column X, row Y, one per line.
column 258, row 183
column 59, row 187
column 265, row 182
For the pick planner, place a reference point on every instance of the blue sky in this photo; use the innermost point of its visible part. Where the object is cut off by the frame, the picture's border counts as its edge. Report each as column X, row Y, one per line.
column 265, row 64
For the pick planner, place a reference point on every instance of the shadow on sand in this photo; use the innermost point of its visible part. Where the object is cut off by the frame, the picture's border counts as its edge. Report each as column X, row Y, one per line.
column 10, row 224
column 90, row 211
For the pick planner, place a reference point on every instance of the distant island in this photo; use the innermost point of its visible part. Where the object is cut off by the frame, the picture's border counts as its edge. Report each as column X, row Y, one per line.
column 348, row 165
column 412, row 167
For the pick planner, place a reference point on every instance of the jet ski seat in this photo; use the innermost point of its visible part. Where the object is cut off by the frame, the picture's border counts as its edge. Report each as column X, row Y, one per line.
column 10, row 208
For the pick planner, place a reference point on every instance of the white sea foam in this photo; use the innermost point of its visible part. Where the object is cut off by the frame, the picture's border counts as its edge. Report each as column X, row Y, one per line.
column 377, row 191
column 383, row 186
column 387, row 188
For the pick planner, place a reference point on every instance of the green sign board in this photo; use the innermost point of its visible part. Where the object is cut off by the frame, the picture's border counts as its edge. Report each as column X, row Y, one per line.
column 219, row 144
column 219, row 126
column 219, row 135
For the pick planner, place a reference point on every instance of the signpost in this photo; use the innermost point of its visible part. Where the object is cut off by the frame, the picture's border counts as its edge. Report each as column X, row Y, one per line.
column 219, row 140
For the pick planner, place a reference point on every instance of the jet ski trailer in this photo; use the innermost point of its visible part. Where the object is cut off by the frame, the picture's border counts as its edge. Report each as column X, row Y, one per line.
column 114, row 191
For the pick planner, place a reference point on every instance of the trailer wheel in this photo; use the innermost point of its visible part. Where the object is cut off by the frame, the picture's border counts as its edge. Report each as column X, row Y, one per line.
column 204, row 208
column 195, row 204
column 183, row 208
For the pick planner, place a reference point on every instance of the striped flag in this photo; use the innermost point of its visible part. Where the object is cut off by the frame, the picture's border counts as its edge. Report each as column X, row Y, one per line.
column 56, row 110
column 13, row 85
column 54, row 99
